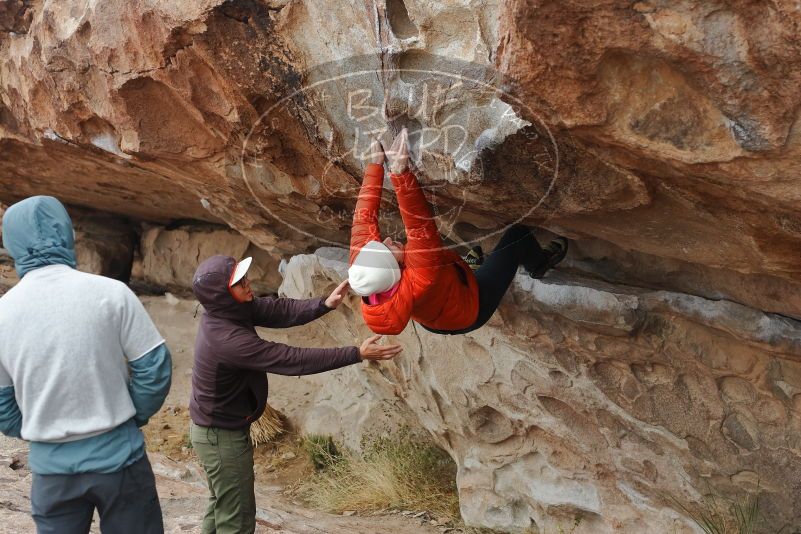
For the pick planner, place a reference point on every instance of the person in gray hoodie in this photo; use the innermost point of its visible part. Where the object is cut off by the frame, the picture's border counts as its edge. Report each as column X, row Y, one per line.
column 82, row 367
column 229, row 381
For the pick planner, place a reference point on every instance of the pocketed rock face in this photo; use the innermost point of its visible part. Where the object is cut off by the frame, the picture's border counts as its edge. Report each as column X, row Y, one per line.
column 608, row 403
column 662, row 137
column 662, row 128
column 695, row 98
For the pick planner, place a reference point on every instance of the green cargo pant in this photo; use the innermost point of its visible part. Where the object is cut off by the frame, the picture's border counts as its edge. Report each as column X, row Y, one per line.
column 227, row 458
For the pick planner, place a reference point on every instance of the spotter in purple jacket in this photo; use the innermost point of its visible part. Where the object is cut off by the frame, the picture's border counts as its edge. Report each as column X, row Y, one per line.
column 229, row 382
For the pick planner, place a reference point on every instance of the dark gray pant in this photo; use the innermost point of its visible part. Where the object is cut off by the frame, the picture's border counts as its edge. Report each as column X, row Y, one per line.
column 126, row 501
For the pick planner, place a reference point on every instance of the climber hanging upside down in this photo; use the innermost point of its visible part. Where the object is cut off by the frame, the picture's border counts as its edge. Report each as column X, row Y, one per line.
column 422, row 280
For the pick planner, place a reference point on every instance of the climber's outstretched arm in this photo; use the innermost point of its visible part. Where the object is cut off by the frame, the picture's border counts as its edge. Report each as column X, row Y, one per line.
column 365, row 217
column 423, row 242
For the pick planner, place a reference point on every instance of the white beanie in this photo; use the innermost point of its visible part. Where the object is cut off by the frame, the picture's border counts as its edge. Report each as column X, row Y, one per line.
column 374, row 270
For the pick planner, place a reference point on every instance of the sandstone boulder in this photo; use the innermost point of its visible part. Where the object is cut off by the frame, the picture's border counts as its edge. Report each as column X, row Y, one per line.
column 666, row 131
column 663, row 138
column 588, row 400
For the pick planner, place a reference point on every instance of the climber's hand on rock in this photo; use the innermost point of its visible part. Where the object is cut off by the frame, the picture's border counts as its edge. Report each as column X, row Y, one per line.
column 338, row 295
column 399, row 153
column 377, row 152
column 371, row 350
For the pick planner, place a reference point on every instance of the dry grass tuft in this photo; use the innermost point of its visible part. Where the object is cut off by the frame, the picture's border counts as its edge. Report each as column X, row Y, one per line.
column 716, row 514
column 397, row 473
column 269, row 426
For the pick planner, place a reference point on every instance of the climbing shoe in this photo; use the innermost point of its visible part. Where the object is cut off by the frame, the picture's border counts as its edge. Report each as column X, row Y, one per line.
column 475, row 257
column 555, row 252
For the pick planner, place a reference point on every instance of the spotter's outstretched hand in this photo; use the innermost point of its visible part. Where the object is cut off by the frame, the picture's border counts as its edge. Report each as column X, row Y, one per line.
column 338, row 295
column 371, row 350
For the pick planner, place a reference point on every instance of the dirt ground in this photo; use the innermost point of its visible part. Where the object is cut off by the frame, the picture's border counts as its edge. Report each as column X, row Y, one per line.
column 181, row 482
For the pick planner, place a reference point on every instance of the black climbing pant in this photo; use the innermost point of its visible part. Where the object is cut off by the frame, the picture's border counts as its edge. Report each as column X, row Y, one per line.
column 518, row 246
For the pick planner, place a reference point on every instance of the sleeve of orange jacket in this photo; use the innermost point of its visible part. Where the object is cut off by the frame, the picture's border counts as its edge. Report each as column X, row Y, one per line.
column 365, row 216
column 423, row 243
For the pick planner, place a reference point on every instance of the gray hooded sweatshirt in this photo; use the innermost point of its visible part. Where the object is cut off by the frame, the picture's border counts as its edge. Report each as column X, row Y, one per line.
column 81, row 363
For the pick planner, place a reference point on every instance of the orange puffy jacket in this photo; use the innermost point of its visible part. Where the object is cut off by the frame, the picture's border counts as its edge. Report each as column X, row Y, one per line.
column 437, row 288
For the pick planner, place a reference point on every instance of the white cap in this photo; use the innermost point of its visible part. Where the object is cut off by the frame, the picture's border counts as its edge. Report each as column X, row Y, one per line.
column 240, row 271
column 374, row 270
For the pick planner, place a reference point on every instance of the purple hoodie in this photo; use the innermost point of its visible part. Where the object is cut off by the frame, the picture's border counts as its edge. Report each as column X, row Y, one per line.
column 229, row 384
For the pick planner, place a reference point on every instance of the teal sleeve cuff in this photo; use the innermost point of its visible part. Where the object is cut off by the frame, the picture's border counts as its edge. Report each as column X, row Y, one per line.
column 10, row 416
column 151, row 376
column 106, row 453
